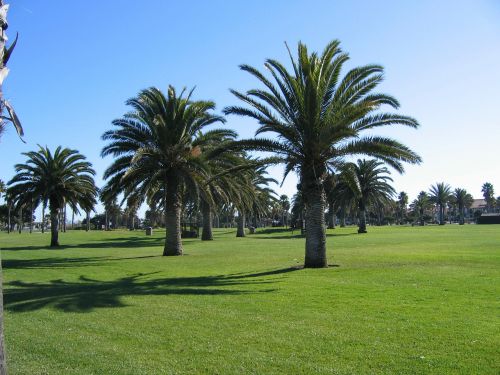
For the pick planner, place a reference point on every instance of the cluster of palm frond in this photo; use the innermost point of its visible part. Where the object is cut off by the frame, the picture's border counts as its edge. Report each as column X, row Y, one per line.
column 441, row 198
column 166, row 158
column 53, row 180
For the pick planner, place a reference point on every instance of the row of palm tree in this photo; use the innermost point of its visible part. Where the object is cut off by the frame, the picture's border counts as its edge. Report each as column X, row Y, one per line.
column 441, row 195
column 364, row 188
column 165, row 155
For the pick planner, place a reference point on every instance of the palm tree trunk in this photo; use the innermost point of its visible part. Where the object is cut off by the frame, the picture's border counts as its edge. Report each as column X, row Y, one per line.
column 206, row 234
column 31, row 217
column 462, row 215
column 173, row 242
column 54, row 227
column 441, row 214
column 240, row 232
column 362, row 217
column 73, row 219
column 331, row 216
column 64, row 219
column 20, row 221
column 8, row 218
column 3, row 360
column 315, row 256
column 43, row 218
column 88, row 221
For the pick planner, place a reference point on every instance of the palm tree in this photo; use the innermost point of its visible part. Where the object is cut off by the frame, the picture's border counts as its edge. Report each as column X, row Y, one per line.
column 318, row 119
column 402, row 203
column 220, row 184
column 11, row 117
column 263, row 197
column 156, row 149
column 440, row 194
column 365, row 183
column 284, row 203
column 373, row 187
column 64, row 176
column 489, row 195
column 254, row 196
column 420, row 205
column 133, row 203
column 462, row 199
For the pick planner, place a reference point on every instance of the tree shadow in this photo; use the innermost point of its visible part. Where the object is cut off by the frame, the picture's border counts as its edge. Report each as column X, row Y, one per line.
column 64, row 262
column 87, row 294
column 126, row 242
column 261, row 235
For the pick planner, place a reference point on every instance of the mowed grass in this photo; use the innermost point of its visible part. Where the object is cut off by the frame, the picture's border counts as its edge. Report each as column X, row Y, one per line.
column 398, row 300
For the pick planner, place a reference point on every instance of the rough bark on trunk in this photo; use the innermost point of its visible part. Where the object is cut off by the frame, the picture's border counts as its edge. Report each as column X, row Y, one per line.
column 342, row 218
column 3, row 361
column 441, row 215
column 462, row 216
column 54, row 227
column 315, row 256
column 64, row 219
column 331, row 216
column 20, row 221
column 206, row 234
column 43, row 218
column 4, row 71
column 362, row 219
column 88, row 221
column 173, row 242
column 8, row 219
column 241, row 224
column 31, row 217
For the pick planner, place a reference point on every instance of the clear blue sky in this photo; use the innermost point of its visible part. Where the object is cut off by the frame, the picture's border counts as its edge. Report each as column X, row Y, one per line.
column 78, row 61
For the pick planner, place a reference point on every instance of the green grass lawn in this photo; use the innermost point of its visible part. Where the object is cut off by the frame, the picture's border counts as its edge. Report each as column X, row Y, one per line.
column 398, row 300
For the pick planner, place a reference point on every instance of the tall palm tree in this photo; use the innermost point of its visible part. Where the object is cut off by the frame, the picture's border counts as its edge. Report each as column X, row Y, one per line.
column 254, row 196
column 489, row 195
column 156, row 149
column 56, row 178
column 284, row 203
column 220, row 184
column 402, row 203
column 463, row 200
column 420, row 205
column 440, row 194
column 318, row 119
column 10, row 116
column 372, row 179
column 264, row 198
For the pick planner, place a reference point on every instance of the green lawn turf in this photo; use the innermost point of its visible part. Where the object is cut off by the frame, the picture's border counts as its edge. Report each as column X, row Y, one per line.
column 398, row 300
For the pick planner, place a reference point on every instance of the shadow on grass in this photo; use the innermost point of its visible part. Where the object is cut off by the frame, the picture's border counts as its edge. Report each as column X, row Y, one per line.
column 282, row 234
column 87, row 294
column 64, row 262
column 123, row 243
